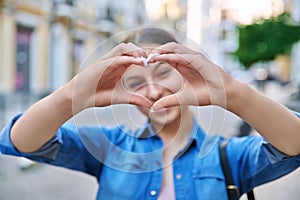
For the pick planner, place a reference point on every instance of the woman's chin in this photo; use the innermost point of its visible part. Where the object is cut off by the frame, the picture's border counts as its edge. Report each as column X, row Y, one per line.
column 165, row 116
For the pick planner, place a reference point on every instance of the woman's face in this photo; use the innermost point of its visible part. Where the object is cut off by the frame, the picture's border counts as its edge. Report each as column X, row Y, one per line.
column 155, row 81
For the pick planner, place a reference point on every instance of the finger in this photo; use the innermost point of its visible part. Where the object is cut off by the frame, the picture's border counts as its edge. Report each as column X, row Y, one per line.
column 187, row 95
column 166, row 102
column 169, row 58
column 123, row 61
column 134, row 50
column 140, row 100
column 177, row 99
column 128, row 60
column 195, row 62
column 174, row 48
column 128, row 49
column 120, row 96
column 174, row 60
column 113, row 66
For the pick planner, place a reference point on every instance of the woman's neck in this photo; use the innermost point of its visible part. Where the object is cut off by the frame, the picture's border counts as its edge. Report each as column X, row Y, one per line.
column 178, row 131
column 175, row 137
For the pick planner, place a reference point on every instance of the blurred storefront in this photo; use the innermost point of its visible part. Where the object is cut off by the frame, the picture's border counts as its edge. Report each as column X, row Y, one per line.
column 24, row 29
column 43, row 43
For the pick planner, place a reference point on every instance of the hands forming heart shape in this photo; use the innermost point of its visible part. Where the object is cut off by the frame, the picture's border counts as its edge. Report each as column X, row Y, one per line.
column 102, row 84
column 146, row 60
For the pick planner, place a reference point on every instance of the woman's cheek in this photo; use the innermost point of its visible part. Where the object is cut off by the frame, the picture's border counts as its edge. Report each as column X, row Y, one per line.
column 173, row 84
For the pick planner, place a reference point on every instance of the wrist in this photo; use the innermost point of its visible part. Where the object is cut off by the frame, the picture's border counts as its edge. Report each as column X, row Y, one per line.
column 238, row 95
column 74, row 101
column 63, row 99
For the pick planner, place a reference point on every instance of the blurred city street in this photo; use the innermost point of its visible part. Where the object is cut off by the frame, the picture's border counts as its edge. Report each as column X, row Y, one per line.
column 45, row 182
column 44, row 44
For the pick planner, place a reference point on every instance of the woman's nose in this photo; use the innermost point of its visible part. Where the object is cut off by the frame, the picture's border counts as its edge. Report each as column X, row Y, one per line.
column 154, row 91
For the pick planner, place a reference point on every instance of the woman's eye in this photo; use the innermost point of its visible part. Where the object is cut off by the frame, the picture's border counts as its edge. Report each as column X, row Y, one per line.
column 164, row 72
column 135, row 85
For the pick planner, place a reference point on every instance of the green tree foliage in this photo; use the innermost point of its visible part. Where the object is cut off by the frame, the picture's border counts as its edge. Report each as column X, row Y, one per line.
column 265, row 39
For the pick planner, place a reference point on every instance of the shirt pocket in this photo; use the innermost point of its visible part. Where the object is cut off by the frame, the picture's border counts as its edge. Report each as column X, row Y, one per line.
column 209, row 184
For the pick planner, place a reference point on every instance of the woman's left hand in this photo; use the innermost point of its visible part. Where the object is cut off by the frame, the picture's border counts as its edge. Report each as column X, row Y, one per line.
column 206, row 83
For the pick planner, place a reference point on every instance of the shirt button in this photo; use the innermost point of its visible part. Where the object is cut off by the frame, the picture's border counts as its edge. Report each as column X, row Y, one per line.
column 153, row 192
column 178, row 176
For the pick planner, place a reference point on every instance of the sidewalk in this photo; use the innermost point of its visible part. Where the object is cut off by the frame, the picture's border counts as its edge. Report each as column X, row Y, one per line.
column 42, row 182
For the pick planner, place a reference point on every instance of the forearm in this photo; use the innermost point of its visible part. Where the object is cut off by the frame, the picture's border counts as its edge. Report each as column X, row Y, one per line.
column 273, row 121
column 42, row 120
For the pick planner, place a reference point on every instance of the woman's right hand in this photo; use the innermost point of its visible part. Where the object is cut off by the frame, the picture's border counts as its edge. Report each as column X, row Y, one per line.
column 97, row 85
column 100, row 84
column 206, row 83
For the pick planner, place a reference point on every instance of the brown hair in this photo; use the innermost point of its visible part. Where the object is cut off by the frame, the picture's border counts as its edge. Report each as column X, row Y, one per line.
column 150, row 36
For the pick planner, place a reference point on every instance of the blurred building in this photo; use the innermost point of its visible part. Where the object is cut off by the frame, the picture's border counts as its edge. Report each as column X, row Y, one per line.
column 219, row 37
column 43, row 42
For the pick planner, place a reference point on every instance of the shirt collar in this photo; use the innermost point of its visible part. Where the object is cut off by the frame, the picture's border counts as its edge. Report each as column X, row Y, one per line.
column 197, row 134
column 146, row 131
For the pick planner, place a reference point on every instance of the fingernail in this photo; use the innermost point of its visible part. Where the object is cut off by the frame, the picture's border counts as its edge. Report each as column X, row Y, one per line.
column 156, row 107
column 151, row 56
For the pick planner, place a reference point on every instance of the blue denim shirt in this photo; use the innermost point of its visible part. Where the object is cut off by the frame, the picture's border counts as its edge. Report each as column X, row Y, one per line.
column 128, row 164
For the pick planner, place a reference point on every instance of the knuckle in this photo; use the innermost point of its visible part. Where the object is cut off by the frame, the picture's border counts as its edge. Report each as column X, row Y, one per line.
column 130, row 44
column 122, row 45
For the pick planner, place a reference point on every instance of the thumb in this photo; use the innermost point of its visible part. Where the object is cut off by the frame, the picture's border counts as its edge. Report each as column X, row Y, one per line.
column 139, row 100
column 165, row 102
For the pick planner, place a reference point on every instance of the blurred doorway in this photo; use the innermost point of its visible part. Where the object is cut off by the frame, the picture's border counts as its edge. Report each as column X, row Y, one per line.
column 23, row 38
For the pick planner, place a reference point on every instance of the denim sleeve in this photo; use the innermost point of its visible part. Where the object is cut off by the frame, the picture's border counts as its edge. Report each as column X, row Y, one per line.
column 297, row 114
column 65, row 149
column 254, row 161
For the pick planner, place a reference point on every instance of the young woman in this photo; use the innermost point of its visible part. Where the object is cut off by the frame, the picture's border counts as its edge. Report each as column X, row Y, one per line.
column 160, row 160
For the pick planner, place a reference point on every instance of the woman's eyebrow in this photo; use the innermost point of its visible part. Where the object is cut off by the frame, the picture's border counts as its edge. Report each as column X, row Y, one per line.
column 132, row 77
column 158, row 65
